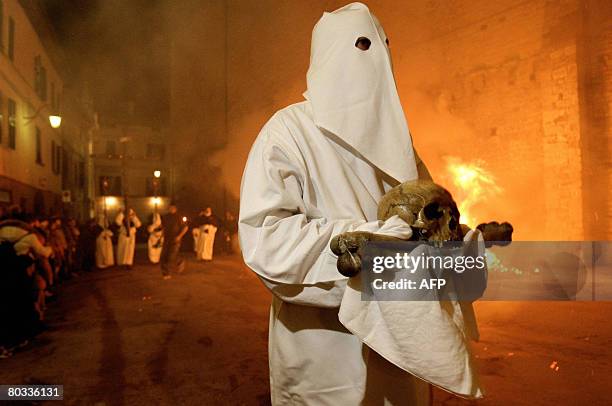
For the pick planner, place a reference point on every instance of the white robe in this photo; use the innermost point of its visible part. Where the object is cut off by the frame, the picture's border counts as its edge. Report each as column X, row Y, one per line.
column 156, row 239
column 196, row 239
column 126, row 242
column 300, row 188
column 206, row 242
column 104, row 247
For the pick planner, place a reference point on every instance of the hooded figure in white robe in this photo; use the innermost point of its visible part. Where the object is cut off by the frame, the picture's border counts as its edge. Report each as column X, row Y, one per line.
column 206, row 237
column 197, row 241
column 126, row 242
column 156, row 238
column 319, row 168
column 104, row 244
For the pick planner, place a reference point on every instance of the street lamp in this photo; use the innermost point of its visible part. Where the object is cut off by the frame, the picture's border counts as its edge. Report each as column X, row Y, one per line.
column 156, row 176
column 55, row 120
column 105, row 185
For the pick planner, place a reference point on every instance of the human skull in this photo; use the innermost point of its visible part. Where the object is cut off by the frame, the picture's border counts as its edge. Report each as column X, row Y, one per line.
column 430, row 211
column 427, row 207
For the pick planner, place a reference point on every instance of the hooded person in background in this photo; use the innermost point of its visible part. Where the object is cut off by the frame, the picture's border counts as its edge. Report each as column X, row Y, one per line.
column 206, row 239
column 126, row 243
column 156, row 238
column 104, row 244
column 317, row 169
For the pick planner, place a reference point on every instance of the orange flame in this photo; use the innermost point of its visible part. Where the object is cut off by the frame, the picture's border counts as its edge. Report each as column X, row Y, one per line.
column 473, row 184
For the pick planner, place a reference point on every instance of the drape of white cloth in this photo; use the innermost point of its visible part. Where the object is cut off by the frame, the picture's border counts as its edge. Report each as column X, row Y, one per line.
column 207, row 241
column 196, row 233
column 429, row 339
column 300, row 188
column 126, row 241
column 104, row 249
column 156, row 239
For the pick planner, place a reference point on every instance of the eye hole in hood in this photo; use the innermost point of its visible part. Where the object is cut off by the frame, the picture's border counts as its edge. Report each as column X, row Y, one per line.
column 363, row 43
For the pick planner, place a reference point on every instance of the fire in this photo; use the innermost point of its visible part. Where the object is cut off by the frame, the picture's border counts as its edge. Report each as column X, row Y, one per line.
column 473, row 184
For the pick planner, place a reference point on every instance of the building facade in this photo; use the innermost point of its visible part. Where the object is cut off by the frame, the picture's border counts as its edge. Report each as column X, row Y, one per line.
column 42, row 169
column 126, row 158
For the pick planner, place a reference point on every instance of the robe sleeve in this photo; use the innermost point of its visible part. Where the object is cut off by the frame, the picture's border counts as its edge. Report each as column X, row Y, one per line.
column 285, row 246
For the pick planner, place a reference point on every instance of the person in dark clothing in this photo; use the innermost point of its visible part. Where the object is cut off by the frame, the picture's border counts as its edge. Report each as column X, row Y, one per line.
column 174, row 229
column 87, row 245
column 230, row 228
column 19, row 317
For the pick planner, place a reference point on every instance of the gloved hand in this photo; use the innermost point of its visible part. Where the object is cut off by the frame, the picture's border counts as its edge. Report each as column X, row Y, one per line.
column 349, row 246
column 496, row 234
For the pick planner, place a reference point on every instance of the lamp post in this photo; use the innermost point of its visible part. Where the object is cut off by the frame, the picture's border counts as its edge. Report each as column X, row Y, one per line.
column 105, row 185
column 156, row 176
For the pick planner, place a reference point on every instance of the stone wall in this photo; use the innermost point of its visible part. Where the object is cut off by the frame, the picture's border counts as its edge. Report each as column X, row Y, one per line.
column 502, row 83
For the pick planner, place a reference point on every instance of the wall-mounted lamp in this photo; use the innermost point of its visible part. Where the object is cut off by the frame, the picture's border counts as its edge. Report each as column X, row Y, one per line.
column 55, row 120
column 111, row 201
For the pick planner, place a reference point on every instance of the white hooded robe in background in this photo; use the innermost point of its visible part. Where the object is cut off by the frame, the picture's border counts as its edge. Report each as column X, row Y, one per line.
column 196, row 233
column 104, row 245
column 207, row 241
column 317, row 169
column 156, row 239
column 126, row 242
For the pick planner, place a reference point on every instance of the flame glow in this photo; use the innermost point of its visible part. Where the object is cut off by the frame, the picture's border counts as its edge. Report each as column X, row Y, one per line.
column 473, row 185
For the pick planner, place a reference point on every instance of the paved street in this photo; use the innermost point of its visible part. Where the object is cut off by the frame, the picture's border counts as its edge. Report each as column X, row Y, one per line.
column 129, row 338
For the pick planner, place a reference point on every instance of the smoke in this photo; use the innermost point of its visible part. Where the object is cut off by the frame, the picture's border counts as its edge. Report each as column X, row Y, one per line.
column 120, row 50
column 219, row 70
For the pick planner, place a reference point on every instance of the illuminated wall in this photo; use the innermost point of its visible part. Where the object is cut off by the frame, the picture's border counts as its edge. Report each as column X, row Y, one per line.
column 508, row 84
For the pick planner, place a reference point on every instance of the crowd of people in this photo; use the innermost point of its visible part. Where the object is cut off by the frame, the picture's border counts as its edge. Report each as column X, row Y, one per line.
column 38, row 253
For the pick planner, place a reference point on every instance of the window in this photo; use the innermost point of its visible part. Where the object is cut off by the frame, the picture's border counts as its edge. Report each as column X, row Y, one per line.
column 11, row 39
column 38, row 147
column 56, row 158
column 40, row 79
column 65, row 168
column 111, row 148
column 155, row 151
column 12, row 123
column 1, row 25
column 113, row 188
column 53, row 104
column 151, row 190
column 6, row 196
column 81, row 180
column 59, row 158
column 53, row 157
column 1, row 116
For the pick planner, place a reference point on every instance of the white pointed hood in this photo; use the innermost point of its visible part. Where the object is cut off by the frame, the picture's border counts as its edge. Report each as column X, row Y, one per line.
column 353, row 93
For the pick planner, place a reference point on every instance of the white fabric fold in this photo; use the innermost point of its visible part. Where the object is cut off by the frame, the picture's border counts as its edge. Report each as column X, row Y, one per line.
column 353, row 92
column 429, row 339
